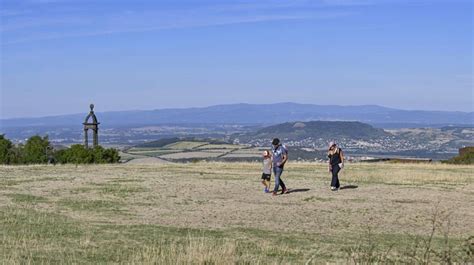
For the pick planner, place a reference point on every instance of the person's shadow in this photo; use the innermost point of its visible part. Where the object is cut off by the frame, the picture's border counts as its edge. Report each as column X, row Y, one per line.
column 296, row 190
column 346, row 187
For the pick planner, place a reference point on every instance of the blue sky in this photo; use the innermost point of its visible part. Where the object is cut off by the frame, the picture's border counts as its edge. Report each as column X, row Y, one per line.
column 57, row 56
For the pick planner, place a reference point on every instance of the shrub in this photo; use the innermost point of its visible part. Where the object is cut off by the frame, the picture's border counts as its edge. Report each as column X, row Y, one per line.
column 5, row 150
column 465, row 158
column 78, row 154
column 37, row 150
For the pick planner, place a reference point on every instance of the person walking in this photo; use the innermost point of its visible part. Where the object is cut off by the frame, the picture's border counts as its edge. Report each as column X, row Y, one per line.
column 279, row 158
column 336, row 163
column 267, row 170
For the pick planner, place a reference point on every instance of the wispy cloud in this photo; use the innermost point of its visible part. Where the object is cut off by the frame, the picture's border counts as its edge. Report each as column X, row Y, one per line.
column 349, row 2
column 382, row 2
column 37, row 20
column 51, row 24
column 165, row 26
column 4, row 13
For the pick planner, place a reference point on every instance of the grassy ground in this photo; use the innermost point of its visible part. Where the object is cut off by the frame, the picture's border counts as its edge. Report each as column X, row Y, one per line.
column 216, row 213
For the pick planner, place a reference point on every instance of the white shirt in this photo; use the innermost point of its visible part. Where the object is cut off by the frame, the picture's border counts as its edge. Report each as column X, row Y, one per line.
column 267, row 166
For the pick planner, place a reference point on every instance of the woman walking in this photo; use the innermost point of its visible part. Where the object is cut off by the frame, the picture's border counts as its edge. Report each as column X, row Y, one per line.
column 336, row 163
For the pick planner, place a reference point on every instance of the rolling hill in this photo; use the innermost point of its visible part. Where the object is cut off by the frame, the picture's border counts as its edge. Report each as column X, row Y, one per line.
column 327, row 130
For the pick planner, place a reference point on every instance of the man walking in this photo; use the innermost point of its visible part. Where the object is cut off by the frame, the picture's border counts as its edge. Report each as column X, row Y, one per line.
column 279, row 157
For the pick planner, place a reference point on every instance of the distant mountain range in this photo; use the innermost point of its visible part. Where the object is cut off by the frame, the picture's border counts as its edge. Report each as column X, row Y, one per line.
column 254, row 114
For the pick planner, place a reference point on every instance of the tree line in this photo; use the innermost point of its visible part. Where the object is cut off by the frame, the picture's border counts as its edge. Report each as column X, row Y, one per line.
column 38, row 150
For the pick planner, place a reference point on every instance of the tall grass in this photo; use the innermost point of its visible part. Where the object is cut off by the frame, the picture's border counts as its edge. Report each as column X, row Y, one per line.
column 195, row 250
column 435, row 247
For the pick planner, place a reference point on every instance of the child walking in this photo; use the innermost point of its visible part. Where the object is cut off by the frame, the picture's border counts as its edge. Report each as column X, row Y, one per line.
column 267, row 171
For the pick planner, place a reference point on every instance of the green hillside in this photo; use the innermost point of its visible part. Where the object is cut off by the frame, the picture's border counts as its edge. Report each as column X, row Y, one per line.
column 322, row 129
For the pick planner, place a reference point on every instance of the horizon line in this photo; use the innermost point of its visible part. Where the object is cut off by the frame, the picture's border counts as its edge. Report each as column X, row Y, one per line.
column 230, row 104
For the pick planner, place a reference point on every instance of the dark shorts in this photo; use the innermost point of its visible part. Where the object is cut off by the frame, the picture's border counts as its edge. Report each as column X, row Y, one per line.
column 266, row 176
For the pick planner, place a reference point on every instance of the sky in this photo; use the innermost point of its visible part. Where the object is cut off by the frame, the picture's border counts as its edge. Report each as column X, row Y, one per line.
column 58, row 56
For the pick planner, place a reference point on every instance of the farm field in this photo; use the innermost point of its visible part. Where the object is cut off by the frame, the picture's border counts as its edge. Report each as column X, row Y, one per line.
column 217, row 213
column 189, row 151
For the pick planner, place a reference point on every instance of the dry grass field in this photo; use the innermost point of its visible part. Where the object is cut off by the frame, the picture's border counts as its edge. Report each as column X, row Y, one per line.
column 217, row 213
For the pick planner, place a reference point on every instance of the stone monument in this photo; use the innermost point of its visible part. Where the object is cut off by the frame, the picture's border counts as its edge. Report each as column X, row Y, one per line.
column 94, row 126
